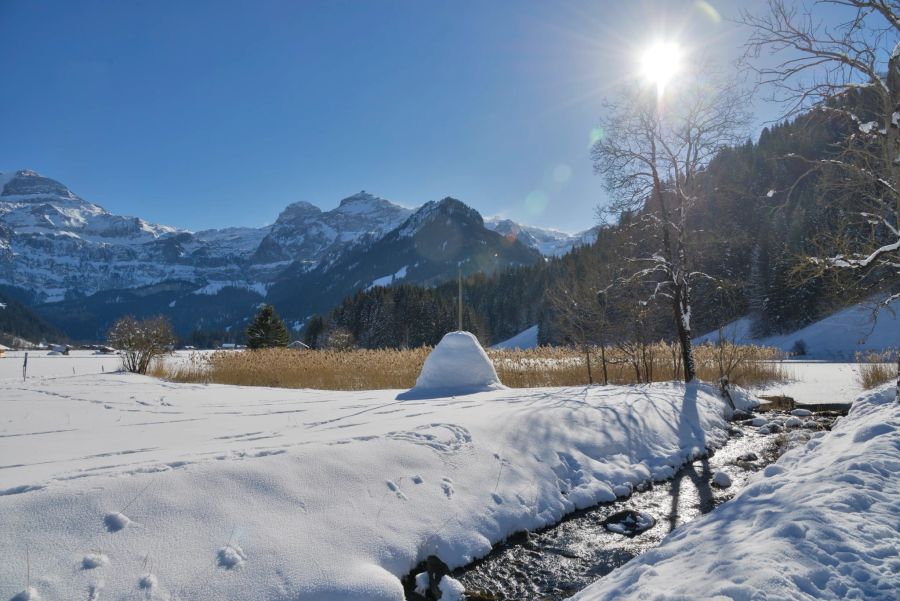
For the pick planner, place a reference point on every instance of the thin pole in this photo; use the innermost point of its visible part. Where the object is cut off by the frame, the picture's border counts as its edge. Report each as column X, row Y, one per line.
column 460, row 299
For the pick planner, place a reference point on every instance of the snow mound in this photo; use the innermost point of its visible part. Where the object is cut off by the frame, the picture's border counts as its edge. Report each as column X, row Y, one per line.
column 457, row 365
column 451, row 589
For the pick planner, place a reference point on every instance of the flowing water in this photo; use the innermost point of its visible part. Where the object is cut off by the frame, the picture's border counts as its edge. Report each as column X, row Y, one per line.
column 560, row 560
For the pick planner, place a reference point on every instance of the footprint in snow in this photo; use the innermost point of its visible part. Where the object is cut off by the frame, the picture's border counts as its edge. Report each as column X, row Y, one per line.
column 447, row 486
column 94, row 560
column 396, row 490
column 231, row 556
column 148, row 582
column 116, row 521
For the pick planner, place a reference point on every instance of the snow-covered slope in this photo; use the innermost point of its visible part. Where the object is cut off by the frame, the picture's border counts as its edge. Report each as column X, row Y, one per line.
column 548, row 242
column 821, row 523
column 123, row 486
column 838, row 336
column 525, row 339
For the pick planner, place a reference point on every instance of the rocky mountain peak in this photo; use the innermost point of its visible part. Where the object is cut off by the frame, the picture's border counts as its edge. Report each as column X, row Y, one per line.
column 31, row 183
column 298, row 210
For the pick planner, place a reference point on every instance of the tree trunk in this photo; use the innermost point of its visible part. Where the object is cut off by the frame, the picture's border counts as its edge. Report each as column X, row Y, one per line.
column 682, row 306
column 606, row 374
column 587, row 355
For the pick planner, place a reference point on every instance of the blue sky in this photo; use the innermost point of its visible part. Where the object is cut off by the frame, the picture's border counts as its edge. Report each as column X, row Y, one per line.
column 209, row 114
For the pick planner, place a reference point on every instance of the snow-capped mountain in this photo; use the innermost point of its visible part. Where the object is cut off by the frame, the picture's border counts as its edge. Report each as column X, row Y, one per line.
column 53, row 242
column 306, row 233
column 427, row 248
column 84, row 266
column 548, row 242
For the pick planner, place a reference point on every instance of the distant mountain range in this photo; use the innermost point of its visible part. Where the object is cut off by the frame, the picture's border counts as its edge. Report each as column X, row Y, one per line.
column 82, row 266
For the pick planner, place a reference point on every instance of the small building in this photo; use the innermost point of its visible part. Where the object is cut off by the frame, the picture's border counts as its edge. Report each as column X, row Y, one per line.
column 3, row 350
column 298, row 346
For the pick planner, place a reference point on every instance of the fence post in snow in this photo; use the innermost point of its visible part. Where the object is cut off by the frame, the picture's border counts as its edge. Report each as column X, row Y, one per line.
column 25, row 367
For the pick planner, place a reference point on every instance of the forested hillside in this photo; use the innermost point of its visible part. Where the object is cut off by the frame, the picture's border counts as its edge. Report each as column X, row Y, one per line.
column 760, row 212
column 19, row 323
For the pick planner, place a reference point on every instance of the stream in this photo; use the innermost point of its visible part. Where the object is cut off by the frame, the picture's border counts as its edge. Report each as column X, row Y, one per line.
column 558, row 561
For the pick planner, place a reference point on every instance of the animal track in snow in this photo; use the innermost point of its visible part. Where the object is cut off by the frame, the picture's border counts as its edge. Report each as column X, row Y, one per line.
column 447, row 487
column 443, row 438
column 396, row 490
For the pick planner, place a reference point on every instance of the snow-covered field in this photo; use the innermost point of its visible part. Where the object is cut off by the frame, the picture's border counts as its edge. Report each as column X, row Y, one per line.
column 117, row 486
column 821, row 523
column 817, row 383
column 44, row 365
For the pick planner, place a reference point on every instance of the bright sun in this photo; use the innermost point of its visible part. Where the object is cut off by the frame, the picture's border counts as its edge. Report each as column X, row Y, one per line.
column 660, row 63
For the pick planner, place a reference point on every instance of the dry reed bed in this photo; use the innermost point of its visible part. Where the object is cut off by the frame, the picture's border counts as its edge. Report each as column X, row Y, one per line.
column 397, row 369
column 876, row 369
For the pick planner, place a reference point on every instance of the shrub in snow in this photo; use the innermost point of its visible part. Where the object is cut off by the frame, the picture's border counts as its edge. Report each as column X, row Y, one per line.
column 457, row 365
column 799, row 348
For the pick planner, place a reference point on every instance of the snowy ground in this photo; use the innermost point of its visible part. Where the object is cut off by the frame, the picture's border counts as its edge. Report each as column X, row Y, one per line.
column 43, row 364
column 821, row 523
column 240, row 493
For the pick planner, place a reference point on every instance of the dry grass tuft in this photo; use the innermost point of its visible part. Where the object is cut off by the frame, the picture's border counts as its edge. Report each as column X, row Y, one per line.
column 398, row 369
column 876, row 369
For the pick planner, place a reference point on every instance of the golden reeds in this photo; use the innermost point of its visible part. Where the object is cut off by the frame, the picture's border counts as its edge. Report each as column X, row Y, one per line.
column 876, row 369
column 397, row 369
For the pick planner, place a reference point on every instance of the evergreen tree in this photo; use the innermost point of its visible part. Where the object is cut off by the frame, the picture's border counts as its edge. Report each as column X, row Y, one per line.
column 267, row 329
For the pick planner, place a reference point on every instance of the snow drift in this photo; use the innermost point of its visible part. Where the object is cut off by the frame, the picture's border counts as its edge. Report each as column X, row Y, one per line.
column 457, row 366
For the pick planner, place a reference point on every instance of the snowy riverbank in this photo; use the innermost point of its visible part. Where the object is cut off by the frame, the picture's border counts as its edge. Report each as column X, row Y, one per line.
column 279, row 494
column 821, row 523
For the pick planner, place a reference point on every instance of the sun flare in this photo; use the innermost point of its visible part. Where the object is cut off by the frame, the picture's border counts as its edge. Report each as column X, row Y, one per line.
column 660, row 63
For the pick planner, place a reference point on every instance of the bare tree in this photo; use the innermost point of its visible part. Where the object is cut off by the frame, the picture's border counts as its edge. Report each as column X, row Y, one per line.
column 653, row 152
column 141, row 341
column 580, row 311
column 849, row 74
